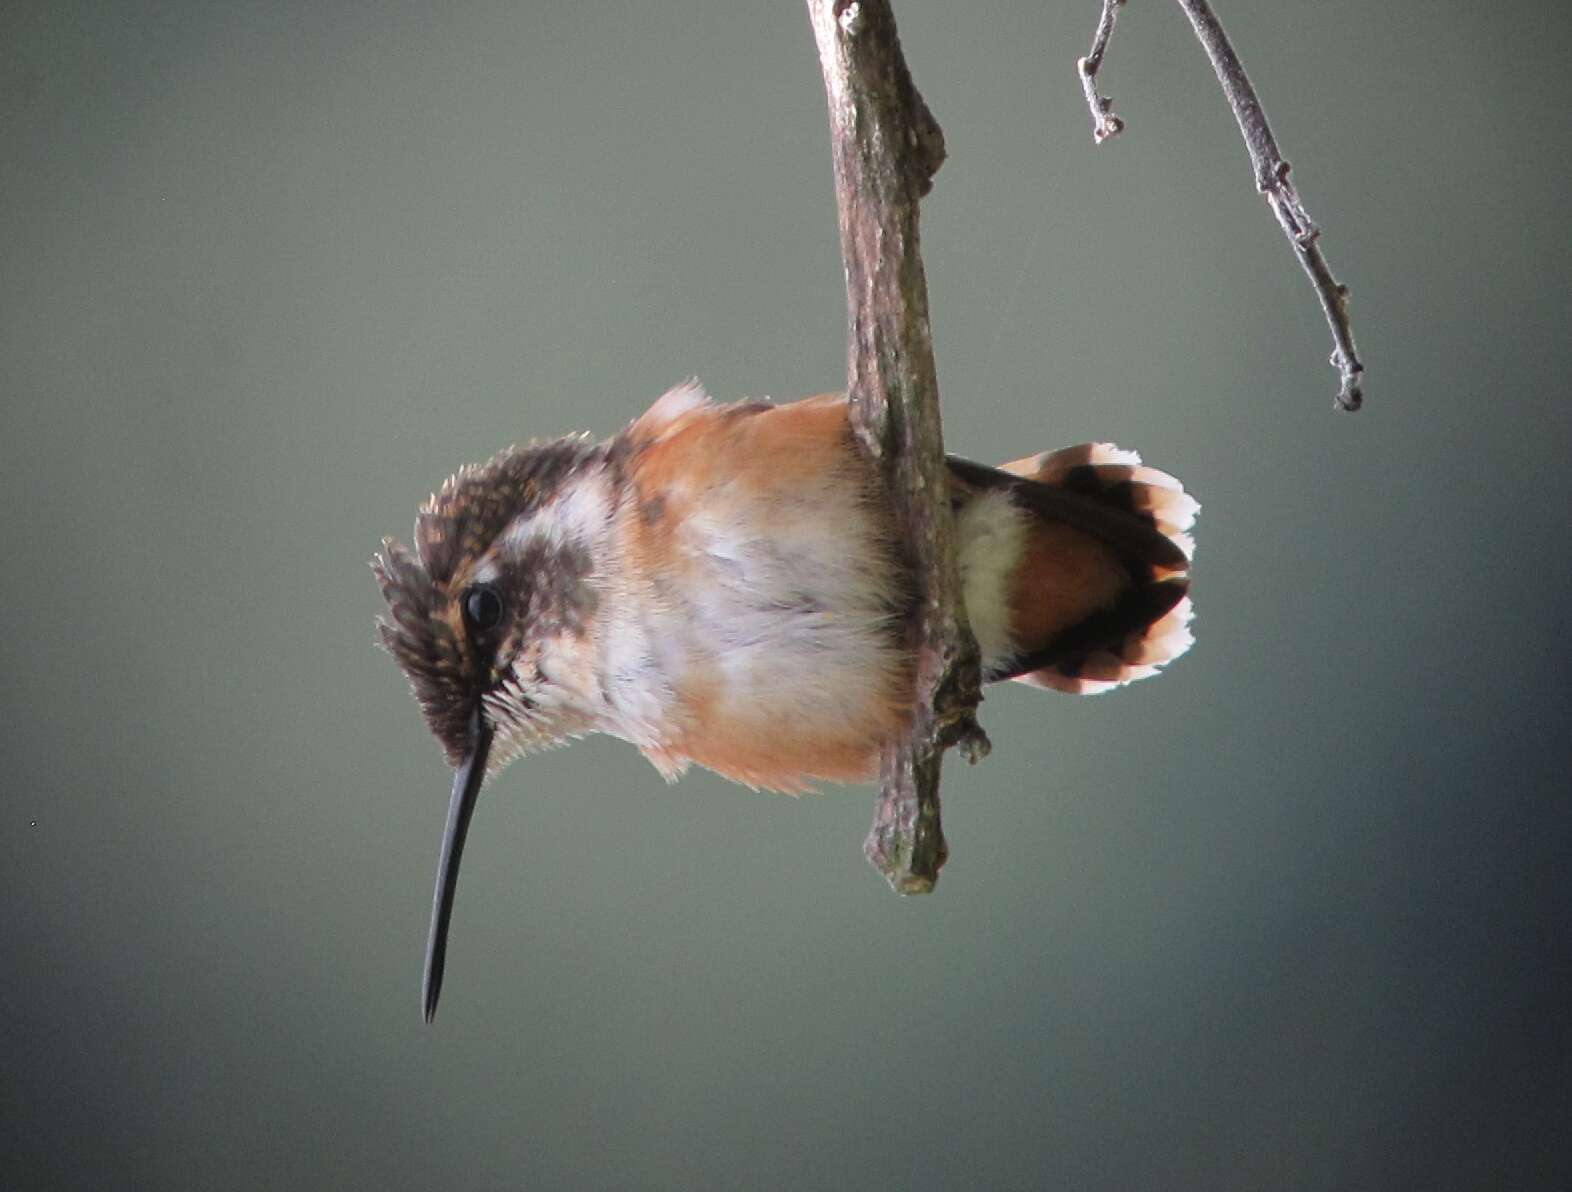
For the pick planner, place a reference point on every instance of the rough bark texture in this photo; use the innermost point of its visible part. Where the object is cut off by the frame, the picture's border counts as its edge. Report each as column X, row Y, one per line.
column 887, row 147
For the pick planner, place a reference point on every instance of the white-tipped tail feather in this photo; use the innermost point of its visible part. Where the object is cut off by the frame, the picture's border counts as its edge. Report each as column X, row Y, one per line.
column 1154, row 627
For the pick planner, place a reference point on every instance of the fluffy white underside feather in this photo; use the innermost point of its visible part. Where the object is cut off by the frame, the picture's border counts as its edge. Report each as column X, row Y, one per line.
column 991, row 531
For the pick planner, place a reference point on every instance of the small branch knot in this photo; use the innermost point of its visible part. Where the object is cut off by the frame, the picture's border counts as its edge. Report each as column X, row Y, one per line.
column 972, row 742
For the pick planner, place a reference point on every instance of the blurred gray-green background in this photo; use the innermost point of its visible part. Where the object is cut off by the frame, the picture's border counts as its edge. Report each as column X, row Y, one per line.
column 1294, row 916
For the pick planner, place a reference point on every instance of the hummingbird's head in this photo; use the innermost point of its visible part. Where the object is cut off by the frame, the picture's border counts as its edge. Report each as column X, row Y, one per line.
column 491, row 619
column 493, row 610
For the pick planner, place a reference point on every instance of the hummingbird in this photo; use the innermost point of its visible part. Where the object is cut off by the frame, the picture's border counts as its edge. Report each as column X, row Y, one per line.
column 721, row 584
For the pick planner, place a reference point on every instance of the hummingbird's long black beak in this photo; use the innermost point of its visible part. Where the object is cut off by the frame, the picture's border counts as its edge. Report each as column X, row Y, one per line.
column 466, row 789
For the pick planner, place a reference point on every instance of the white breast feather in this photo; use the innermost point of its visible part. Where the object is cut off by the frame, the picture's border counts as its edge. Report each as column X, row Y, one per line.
column 800, row 623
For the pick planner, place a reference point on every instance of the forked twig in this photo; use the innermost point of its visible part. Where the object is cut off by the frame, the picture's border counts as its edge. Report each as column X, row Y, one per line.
column 1271, row 176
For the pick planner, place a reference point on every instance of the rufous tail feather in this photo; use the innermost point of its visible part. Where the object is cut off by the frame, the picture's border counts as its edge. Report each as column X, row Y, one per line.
column 1141, row 622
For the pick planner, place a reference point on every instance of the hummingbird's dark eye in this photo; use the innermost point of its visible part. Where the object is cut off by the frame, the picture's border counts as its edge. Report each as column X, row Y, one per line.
column 482, row 610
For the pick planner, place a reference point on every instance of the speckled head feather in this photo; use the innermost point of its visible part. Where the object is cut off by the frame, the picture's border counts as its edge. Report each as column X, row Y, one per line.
column 421, row 634
column 456, row 528
column 460, row 522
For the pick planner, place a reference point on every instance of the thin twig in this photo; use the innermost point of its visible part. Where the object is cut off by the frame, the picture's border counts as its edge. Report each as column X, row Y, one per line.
column 886, row 147
column 1105, row 123
column 1271, row 179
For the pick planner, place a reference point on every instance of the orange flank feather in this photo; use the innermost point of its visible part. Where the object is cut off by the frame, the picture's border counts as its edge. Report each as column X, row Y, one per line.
column 736, row 743
column 691, row 446
column 779, row 474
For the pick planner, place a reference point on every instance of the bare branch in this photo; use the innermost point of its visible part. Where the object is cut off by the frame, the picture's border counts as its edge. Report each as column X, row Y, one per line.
column 1105, row 123
column 1271, row 178
column 886, row 147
